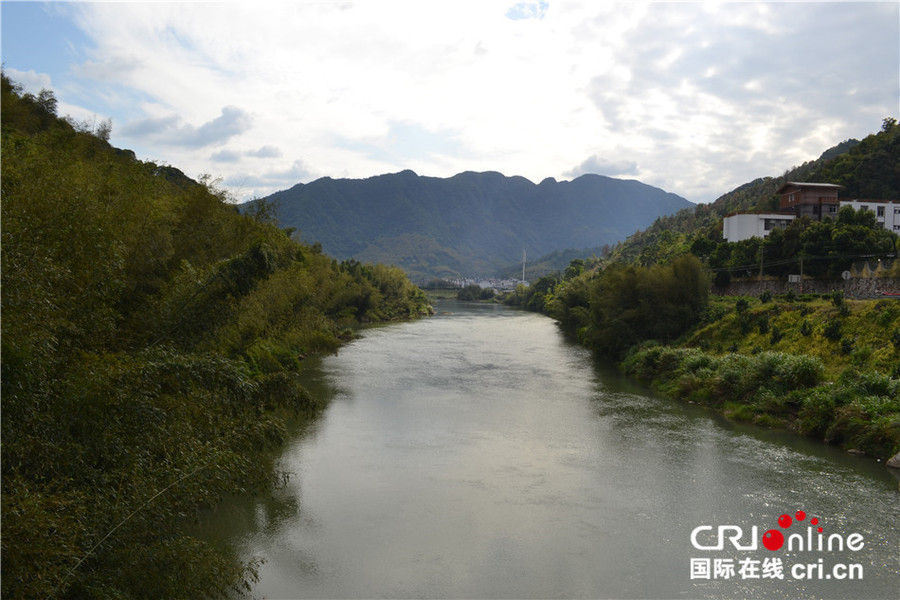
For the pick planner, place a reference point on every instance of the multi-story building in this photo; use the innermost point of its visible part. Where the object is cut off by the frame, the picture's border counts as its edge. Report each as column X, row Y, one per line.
column 813, row 200
column 887, row 212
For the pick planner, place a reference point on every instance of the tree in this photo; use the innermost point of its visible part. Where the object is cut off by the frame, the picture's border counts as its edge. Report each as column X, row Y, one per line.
column 47, row 101
column 575, row 268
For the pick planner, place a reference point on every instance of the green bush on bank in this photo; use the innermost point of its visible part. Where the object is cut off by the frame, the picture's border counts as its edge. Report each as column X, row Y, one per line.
column 859, row 411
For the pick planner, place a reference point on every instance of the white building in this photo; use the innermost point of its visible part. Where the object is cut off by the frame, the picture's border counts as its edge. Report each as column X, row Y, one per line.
column 743, row 226
column 886, row 211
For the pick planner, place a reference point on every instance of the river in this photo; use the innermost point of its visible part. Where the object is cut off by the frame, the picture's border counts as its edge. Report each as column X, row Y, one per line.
column 478, row 454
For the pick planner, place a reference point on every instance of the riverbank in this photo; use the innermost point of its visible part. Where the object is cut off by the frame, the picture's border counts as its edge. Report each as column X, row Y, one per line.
column 821, row 366
column 481, row 454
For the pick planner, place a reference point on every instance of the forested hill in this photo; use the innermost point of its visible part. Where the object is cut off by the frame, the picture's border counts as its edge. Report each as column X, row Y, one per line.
column 150, row 345
column 867, row 169
column 471, row 223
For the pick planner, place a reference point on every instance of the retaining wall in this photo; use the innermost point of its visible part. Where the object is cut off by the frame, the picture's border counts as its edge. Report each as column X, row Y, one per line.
column 855, row 287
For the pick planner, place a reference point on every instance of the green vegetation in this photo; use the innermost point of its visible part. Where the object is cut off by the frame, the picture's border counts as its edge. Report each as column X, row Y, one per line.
column 823, row 367
column 820, row 248
column 475, row 292
column 622, row 305
column 151, row 340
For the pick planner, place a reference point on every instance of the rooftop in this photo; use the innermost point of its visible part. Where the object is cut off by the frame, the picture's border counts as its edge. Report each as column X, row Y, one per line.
column 805, row 184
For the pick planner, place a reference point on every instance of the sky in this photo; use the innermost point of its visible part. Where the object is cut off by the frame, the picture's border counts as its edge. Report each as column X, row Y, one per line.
column 694, row 98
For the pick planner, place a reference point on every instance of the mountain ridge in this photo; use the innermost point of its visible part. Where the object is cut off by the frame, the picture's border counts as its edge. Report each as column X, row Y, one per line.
column 470, row 223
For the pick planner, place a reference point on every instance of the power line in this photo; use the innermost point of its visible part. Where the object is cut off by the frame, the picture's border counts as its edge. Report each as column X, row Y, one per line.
column 787, row 261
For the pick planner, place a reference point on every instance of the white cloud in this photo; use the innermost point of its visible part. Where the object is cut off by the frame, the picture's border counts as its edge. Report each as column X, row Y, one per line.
column 265, row 152
column 171, row 131
column 694, row 98
column 31, row 81
column 603, row 166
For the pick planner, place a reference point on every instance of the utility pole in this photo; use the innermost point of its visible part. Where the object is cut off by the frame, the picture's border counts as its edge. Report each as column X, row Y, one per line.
column 762, row 253
column 523, row 266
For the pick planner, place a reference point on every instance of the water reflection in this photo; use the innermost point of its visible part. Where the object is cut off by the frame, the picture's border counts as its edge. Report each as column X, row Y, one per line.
column 478, row 454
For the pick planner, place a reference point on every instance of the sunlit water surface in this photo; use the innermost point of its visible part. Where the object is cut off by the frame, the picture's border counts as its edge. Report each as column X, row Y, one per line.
column 478, row 454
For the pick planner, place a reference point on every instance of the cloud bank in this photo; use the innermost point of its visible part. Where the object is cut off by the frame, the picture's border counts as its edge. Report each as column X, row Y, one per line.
column 694, row 98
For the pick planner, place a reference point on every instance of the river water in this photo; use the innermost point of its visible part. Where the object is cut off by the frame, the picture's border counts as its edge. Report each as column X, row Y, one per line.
column 478, row 454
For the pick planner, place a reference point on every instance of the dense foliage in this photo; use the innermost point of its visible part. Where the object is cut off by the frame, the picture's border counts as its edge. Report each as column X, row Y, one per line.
column 151, row 338
column 815, row 248
column 474, row 292
column 612, row 309
column 827, row 368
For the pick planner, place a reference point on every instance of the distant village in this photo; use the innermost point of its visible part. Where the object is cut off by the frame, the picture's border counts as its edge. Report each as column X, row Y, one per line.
column 493, row 283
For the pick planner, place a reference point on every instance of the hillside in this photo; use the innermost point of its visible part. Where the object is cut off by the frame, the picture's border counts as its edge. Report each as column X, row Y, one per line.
column 867, row 169
column 151, row 340
column 824, row 367
column 471, row 223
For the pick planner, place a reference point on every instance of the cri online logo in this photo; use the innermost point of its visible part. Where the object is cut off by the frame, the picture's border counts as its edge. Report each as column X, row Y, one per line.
column 774, row 539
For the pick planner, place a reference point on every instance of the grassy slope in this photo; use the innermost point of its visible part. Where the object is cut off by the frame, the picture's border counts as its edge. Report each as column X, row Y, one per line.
column 786, row 364
column 867, row 327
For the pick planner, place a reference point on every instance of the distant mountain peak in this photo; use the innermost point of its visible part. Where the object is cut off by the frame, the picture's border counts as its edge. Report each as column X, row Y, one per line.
column 473, row 223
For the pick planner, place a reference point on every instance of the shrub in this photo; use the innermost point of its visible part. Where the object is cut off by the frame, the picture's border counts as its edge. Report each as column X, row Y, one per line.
column 816, row 413
column 739, row 412
column 798, row 371
column 837, row 298
column 746, row 323
column 694, row 361
column 805, row 329
column 832, row 330
column 776, row 335
column 872, row 384
column 847, row 346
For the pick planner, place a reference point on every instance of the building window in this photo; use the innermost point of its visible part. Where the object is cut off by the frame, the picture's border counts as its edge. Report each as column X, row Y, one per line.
column 880, row 211
column 832, row 208
column 864, row 207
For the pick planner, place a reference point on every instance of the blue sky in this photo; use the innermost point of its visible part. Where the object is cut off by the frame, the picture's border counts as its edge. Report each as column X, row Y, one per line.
column 32, row 35
column 695, row 98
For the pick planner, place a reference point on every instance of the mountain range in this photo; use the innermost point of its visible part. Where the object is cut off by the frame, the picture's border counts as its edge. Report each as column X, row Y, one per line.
column 471, row 224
